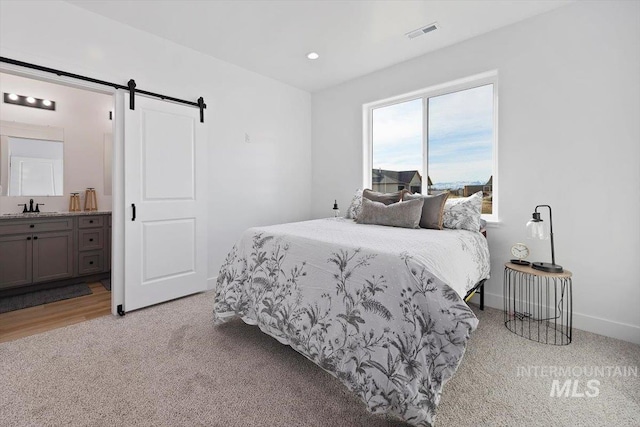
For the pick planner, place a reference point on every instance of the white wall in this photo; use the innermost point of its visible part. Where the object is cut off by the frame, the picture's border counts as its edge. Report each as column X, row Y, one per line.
column 265, row 181
column 84, row 118
column 569, row 136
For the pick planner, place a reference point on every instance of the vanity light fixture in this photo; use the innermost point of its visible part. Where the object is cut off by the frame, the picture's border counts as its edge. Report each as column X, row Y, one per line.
column 313, row 55
column 29, row 101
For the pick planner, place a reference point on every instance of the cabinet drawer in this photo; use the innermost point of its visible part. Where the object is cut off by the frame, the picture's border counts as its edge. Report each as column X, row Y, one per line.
column 35, row 225
column 90, row 262
column 90, row 239
column 90, row 221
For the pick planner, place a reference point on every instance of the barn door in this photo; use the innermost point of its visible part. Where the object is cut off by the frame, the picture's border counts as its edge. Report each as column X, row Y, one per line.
column 165, row 178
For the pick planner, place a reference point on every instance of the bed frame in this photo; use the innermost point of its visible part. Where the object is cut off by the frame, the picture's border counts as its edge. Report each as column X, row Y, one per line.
column 479, row 287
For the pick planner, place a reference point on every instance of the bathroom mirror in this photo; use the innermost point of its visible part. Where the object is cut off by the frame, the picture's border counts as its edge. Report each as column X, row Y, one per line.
column 32, row 167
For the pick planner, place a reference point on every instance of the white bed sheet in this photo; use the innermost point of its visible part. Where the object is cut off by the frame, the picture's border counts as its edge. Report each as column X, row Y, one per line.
column 460, row 258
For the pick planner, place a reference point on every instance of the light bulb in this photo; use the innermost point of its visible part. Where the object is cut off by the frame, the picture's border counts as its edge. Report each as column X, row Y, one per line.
column 46, row 103
column 31, row 100
column 313, row 55
column 13, row 97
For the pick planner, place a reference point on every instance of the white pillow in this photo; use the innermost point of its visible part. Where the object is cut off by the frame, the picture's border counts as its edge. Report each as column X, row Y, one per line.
column 355, row 207
column 463, row 213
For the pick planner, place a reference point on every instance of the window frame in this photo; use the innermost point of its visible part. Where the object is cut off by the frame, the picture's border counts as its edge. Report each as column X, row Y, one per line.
column 490, row 77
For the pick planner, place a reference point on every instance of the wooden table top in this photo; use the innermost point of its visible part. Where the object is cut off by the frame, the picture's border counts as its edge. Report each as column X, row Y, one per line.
column 527, row 269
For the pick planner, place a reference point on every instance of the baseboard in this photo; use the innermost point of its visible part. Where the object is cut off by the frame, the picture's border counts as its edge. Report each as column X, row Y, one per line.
column 211, row 283
column 596, row 325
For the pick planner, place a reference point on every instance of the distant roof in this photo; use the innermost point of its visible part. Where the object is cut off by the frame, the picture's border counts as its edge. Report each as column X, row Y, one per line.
column 403, row 177
column 490, row 182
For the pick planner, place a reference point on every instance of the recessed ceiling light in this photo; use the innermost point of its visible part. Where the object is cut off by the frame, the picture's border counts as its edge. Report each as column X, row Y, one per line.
column 313, row 55
column 13, row 97
column 46, row 102
column 31, row 100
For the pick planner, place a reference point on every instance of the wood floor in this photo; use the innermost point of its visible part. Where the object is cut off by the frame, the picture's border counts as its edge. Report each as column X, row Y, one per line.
column 42, row 318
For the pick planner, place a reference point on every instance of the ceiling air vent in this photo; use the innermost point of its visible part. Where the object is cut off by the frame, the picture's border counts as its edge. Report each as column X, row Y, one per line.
column 424, row 30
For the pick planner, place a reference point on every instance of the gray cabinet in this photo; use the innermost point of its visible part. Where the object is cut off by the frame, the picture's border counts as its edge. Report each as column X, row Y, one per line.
column 15, row 260
column 47, row 249
column 91, row 244
column 52, row 256
column 35, row 257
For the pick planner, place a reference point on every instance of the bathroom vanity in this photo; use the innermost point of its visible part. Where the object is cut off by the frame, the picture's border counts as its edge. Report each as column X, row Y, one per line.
column 46, row 250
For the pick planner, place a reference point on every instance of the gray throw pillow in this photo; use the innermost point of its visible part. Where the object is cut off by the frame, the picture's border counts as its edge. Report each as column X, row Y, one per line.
column 401, row 214
column 432, row 210
column 386, row 198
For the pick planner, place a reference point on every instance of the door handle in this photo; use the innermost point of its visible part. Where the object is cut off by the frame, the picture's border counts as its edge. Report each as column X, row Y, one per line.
column 133, row 207
column 28, row 238
column 35, row 237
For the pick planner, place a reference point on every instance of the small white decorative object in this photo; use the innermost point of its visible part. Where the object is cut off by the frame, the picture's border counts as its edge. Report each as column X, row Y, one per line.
column 336, row 211
column 520, row 251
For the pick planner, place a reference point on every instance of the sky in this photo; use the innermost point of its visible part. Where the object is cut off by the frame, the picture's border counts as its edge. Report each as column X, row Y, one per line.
column 460, row 136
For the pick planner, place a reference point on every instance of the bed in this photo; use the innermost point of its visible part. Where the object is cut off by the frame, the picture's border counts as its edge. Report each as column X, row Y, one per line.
column 380, row 308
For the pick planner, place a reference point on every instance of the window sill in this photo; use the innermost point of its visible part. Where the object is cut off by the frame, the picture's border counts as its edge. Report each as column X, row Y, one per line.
column 493, row 223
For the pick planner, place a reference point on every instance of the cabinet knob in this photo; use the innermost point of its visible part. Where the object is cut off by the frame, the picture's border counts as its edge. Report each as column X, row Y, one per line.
column 29, row 238
column 91, row 240
column 31, row 225
column 35, row 237
column 90, row 221
column 90, row 262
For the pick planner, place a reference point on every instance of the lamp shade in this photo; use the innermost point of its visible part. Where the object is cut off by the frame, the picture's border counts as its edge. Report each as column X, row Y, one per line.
column 537, row 229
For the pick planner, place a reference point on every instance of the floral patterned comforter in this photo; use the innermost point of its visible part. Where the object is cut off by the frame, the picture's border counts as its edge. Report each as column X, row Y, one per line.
column 362, row 302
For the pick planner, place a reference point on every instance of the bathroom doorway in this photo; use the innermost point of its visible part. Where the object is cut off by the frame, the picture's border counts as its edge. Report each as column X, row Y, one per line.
column 55, row 256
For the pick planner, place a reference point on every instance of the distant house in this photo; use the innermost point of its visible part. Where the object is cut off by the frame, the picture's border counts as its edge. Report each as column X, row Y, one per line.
column 386, row 181
column 486, row 189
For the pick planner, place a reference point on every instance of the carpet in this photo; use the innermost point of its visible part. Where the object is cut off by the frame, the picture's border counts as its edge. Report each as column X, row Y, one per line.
column 168, row 365
column 106, row 283
column 31, row 299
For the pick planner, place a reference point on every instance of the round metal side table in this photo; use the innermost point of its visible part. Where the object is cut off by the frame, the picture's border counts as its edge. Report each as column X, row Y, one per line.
column 538, row 305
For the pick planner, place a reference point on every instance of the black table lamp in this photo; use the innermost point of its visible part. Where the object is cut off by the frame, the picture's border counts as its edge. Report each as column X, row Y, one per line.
column 536, row 229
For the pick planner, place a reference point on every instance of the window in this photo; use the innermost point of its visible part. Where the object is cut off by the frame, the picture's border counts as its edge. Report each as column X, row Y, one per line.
column 441, row 139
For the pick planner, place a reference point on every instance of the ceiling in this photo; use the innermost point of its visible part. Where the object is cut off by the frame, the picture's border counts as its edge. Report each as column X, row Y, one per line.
column 353, row 38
